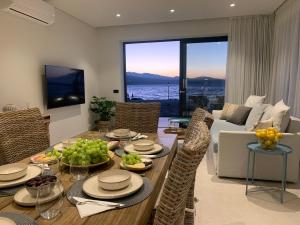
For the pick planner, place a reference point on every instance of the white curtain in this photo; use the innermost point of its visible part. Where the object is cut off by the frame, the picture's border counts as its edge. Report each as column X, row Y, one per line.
column 286, row 61
column 249, row 57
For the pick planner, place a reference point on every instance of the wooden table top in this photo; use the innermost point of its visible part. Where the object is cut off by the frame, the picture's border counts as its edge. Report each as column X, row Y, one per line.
column 138, row 214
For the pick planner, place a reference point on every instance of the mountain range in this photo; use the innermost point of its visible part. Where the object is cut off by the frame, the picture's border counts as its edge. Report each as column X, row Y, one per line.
column 133, row 78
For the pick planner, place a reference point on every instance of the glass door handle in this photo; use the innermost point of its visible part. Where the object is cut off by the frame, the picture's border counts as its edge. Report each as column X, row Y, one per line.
column 181, row 92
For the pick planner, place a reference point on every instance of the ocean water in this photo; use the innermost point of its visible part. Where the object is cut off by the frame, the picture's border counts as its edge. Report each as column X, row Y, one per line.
column 163, row 92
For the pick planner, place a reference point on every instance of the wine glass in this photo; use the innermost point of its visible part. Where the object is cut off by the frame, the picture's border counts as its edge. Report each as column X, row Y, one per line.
column 126, row 140
column 78, row 168
column 49, row 209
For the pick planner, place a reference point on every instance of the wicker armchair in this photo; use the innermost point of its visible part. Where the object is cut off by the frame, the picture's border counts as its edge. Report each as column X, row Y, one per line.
column 22, row 133
column 176, row 202
column 139, row 117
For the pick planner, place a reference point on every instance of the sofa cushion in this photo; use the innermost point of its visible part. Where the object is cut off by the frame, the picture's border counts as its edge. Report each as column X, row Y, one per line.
column 253, row 100
column 240, row 115
column 222, row 125
column 228, row 110
column 255, row 116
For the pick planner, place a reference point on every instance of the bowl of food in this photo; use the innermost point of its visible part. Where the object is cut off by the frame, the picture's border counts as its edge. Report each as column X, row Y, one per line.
column 135, row 162
column 143, row 145
column 12, row 171
column 46, row 184
column 121, row 132
column 268, row 138
column 114, row 179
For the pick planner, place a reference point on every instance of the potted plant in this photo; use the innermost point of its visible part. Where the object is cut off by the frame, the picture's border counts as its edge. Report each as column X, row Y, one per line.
column 105, row 109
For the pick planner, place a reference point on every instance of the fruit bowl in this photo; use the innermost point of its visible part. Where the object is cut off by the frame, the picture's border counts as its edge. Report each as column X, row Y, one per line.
column 268, row 138
column 46, row 183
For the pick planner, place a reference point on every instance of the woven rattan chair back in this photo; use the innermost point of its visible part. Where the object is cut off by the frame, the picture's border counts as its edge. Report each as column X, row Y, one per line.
column 173, row 201
column 139, row 117
column 22, row 134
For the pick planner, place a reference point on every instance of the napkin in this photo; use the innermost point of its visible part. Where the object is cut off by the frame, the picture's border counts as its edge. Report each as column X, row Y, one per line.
column 89, row 208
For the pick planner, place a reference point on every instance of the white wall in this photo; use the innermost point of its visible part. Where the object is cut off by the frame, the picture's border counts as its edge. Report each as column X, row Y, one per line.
column 26, row 46
column 110, row 40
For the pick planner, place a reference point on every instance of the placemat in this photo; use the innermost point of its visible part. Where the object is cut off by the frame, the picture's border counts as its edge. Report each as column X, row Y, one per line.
column 137, row 197
column 119, row 152
column 19, row 219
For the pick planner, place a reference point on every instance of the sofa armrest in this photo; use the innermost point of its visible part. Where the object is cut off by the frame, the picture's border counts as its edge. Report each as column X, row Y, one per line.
column 217, row 114
column 233, row 156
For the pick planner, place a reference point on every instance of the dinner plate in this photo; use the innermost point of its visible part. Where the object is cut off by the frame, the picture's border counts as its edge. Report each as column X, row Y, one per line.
column 6, row 221
column 128, row 167
column 110, row 153
column 91, row 188
column 156, row 149
column 112, row 136
column 23, row 198
column 32, row 171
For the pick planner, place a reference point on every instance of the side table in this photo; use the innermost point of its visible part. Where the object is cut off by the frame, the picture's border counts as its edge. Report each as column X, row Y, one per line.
column 281, row 150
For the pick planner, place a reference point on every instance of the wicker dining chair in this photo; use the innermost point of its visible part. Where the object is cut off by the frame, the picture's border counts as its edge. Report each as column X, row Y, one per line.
column 139, row 117
column 22, row 134
column 173, row 207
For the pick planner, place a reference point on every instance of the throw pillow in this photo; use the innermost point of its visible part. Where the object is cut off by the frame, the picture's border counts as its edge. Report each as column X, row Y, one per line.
column 285, row 122
column 278, row 112
column 240, row 115
column 253, row 100
column 228, row 110
column 255, row 116
column 263, row 124
column 267, row 113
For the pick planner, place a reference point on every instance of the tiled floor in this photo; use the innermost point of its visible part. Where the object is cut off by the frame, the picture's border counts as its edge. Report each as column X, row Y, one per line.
column 223, row 202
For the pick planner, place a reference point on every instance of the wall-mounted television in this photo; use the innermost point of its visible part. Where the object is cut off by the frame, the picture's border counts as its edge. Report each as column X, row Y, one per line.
column 65, row 86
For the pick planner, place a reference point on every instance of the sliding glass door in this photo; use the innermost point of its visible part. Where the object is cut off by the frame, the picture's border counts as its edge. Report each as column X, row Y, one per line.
column 180, row 74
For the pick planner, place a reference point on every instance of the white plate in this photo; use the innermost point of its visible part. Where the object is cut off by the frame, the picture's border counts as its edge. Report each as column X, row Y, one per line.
column 6, row 221
column 137, row 169
column 23, row 198
column 32, row 171
column 156, row 148
column 112, row 136
column 91, row 188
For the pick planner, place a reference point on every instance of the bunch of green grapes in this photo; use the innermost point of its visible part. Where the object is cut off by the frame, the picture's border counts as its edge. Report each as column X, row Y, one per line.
column 86, row 152
column 131, row 159
column 54, row 153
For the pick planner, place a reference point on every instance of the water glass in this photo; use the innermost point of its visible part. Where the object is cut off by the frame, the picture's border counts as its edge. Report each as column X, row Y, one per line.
column 126, row 140
column 78, row 170
column 49, row 209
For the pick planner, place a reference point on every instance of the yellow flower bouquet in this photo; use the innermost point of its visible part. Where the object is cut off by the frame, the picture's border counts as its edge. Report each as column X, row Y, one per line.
column 269, row 137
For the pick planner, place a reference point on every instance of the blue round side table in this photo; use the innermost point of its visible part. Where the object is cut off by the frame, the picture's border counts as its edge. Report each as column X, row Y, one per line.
column 281, row 150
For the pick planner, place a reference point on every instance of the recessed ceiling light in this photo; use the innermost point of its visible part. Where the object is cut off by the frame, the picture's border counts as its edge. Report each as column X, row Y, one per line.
column 172, row 10
column 232, row 5
column 118, row 15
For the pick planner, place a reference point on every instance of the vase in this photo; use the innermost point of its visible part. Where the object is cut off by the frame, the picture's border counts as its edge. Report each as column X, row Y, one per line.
column 103, row 126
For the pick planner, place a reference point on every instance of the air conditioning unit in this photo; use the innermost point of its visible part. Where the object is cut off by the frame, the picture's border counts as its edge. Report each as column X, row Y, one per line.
column 35, row 10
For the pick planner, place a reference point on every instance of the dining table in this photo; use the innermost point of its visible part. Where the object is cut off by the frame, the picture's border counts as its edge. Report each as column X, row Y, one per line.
column 138, row 214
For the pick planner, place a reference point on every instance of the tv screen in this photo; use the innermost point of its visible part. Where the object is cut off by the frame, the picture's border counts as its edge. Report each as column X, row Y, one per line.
column 65, row 86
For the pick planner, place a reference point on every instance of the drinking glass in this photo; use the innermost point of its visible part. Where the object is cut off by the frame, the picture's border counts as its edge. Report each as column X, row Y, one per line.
column 78, row 168
column 126, row 140
column 54, row 166
column 49, row 209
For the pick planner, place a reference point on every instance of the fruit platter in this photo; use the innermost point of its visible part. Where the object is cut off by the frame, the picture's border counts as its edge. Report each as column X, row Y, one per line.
column 135, row 162
column 89, row 153
column 269, row 137
column 46, row 158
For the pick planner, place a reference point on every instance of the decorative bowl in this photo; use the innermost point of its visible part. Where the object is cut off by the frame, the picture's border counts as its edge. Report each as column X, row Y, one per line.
column 121, row 132
column 12, row 171
column 46, row 183
column 143, row 145
column 268, row 138
column 114, row 179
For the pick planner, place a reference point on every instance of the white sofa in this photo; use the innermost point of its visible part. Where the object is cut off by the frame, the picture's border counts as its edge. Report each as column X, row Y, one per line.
column 229, row 146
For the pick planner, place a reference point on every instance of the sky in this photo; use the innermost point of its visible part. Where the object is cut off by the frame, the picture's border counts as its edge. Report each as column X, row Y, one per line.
column 203, row 59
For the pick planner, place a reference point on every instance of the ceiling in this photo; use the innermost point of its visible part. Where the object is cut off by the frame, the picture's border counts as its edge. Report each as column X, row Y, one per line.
column 100, row 13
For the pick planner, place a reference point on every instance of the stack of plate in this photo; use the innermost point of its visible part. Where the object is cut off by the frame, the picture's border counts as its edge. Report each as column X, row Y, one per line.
column 143, row 147
column 120, row 133
column 112, row 184
column 15, row 174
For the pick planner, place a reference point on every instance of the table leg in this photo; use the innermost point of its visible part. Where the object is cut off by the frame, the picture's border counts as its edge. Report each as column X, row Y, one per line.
column 248, row 168
column 283, row 181
column 253, row 166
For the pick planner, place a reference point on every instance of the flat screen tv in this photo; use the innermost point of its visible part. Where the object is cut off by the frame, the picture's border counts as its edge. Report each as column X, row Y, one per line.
column 65, row 86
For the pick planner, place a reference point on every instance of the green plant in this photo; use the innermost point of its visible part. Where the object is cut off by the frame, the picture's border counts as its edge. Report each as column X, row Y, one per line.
column 103, row 107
